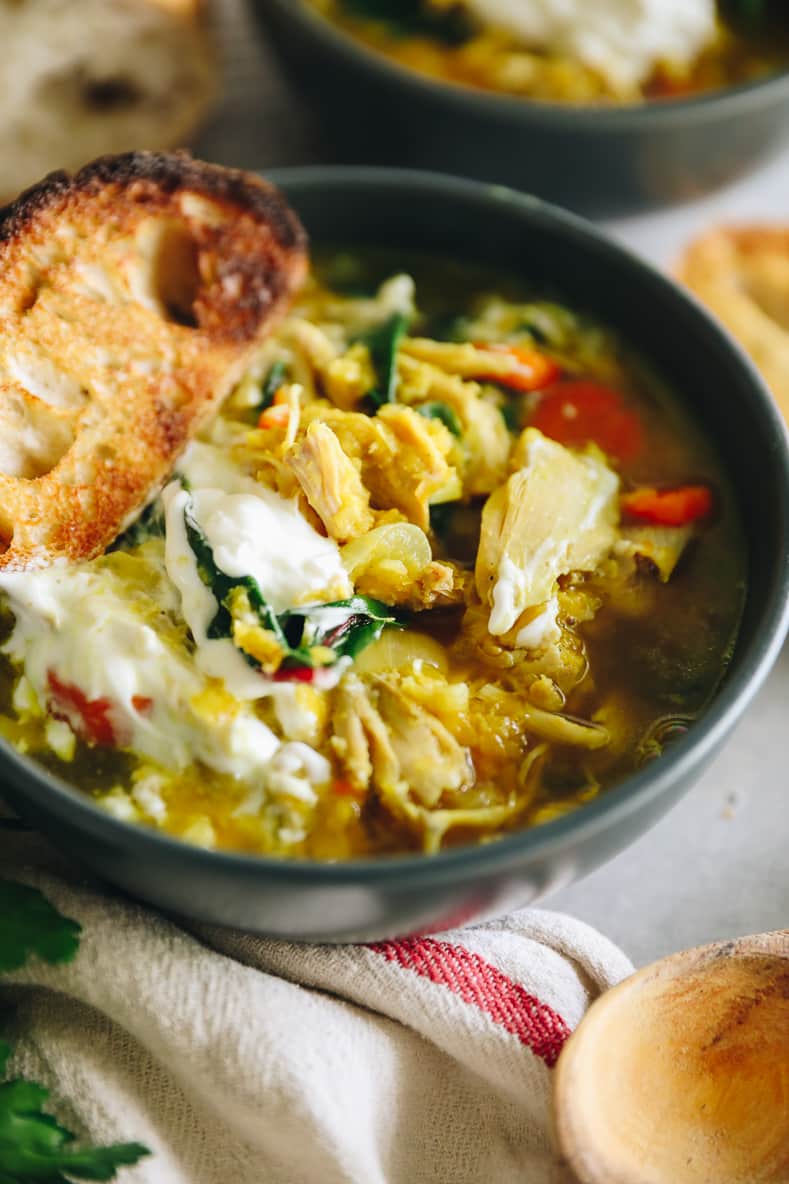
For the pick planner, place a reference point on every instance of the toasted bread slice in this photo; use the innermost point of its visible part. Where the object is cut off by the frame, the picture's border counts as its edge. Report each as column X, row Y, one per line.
column 132, row 296
column 742, row 274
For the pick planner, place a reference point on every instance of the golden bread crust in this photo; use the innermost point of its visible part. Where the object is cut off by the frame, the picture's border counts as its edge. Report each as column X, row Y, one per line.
column 132, row 296
column 742, row 274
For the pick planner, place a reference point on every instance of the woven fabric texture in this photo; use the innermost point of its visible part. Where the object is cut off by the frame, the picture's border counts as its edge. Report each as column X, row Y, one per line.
column 261, row 1062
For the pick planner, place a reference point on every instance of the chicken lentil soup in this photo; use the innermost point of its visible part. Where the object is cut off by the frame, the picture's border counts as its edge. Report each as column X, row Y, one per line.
column 573, row 51
column 449, row 562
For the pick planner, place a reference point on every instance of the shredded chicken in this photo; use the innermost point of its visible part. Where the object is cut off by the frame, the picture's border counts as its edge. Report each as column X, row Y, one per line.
column 311, row 340
column 349, row 738
column 331, row 483
column 440, row 584
column 556, row 514
column 431, row 759
column 408, row 465
column 356, row 432
column 361, row 741
column 486, row 443
column 350, row 377
column 462, row 358
column 658, row 548
column 406, row 753
column 404, row 458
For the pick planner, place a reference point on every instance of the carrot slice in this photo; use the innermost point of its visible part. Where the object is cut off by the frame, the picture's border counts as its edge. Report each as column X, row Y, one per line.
column 345, row 789
column 579, row 412
column 535, row 370
column 90, row 718
column 669, row 507
column 275, row 416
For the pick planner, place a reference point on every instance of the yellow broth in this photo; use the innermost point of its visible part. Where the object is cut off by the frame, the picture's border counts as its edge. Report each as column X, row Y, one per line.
column 491, row 60
column 642, row 657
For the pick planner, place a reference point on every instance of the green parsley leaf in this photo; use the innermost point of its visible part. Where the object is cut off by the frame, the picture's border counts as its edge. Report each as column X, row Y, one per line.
column 30, row 925
column 34, row 1147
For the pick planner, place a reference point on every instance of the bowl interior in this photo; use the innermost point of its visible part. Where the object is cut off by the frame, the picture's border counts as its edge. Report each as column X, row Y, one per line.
column 592, row 116
column 559, row 252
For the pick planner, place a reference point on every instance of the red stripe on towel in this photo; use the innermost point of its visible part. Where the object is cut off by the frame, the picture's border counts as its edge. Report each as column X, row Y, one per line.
column 476, row 981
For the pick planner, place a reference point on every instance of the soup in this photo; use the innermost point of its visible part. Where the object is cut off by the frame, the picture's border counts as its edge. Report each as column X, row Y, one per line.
column 450, row 562
column 581, row 53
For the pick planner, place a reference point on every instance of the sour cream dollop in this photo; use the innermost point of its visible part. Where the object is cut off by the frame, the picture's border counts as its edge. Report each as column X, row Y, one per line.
column 77, row 634
column 252, row 531
column 622, row 39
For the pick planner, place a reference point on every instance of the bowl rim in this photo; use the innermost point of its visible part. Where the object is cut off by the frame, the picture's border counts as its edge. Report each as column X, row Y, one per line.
column 717, row 104
column 76, row 809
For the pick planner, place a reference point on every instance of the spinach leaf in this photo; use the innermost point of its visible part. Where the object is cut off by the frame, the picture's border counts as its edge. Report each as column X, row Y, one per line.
column 537, row 334
column 411, row 18
column 223, row 585
column 30, row 925
column 440, row 518
column 750, row 15
column 271, row 384
column 34, row 1147
column 149, row 525
column 345, row 627
column 383, row 343
column 510, row 412
column 443, row 412
column 446, row 327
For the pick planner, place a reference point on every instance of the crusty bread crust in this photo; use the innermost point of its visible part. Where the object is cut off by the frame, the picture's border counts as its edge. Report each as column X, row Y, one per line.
column 132, row 296
column 742, row 274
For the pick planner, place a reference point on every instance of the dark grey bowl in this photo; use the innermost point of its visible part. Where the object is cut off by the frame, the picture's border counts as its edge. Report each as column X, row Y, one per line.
column 593, row 159
column 380, row 898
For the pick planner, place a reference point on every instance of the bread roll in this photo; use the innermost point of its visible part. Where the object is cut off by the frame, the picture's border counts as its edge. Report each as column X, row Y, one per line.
column 79, row 78
column 742, row 274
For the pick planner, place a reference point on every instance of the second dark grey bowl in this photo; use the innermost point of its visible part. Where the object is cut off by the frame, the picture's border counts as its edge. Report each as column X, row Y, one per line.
column 599, row 160
column 389, row 896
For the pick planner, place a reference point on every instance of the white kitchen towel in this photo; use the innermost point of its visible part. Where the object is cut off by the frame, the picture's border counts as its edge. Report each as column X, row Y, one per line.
column 237, row 1059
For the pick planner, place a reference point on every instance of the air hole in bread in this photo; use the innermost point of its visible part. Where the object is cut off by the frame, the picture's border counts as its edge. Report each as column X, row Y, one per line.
column 176, row 275
column 110, row 94
column 38, row 374
column 32, row 438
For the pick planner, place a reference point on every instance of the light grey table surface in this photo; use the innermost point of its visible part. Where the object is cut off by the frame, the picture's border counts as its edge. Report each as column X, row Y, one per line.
column 717, row 865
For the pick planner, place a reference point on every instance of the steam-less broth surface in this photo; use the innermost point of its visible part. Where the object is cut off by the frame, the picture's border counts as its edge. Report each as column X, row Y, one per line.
column 574, row 53
column 450, row 562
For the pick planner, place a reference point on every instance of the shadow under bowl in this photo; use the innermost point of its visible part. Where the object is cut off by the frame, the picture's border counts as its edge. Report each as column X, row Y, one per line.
column 384, row 897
